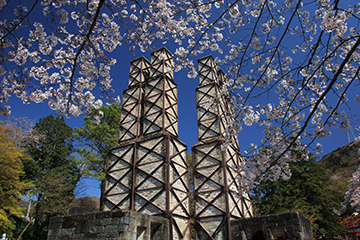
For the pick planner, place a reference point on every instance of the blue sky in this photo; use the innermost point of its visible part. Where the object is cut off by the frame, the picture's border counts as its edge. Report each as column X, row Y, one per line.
column 187, row 112
column 187, row 108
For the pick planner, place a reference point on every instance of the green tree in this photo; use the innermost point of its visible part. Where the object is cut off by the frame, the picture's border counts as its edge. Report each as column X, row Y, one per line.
column 53, row 173
column 95, row 139
column 11, row 183
column 306, row 192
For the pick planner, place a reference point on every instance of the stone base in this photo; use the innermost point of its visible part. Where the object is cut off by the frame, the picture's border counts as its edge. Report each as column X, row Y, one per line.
column 278, row 226
column 117, row 224
column 130, row 225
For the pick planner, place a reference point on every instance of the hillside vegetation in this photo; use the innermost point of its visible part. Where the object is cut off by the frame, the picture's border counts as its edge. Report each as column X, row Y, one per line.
column 315, row 190
column 343, row 162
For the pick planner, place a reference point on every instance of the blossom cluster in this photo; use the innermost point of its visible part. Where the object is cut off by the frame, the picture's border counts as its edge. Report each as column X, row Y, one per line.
column 290, row 64
column 352, row 196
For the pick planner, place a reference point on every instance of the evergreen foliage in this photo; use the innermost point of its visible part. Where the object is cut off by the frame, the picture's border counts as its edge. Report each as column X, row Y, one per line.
column 306, row 192
column 95, row 139
column 53, row 173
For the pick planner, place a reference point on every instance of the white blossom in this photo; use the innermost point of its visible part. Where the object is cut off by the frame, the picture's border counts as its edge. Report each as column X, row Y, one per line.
column 63, row 16
column 124, row 12
column 256, row 43
column 335, row 23
column 181, row 52
column 352, row 196
column 65, row 60
column 98, row 104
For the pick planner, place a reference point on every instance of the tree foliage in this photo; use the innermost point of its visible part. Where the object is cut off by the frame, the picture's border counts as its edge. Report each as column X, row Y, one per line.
column 308, row 192
column 95, row 139
column 291, row 65
column 53, row 173
column 12, row 186
column 344, row 162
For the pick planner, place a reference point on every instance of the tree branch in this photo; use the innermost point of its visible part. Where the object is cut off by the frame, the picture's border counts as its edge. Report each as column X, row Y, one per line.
column 87, row 38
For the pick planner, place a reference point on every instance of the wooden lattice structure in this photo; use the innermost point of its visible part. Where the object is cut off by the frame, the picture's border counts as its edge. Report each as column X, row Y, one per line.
column 217, row 194
column 147, row 171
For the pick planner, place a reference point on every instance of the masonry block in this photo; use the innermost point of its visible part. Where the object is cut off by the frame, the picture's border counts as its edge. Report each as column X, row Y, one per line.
column 106, row 225
column 277, row 226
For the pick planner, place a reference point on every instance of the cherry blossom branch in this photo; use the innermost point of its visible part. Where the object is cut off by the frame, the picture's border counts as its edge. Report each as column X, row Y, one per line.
column 272, row 57
column 87, row 38
column 331, row 84
column 312, row 75
column 20, row 21
column 251, row 37
column 211, row 25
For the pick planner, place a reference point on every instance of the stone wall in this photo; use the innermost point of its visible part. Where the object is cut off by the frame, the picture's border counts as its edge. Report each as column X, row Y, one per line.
column 278, row 226
column 109, row 225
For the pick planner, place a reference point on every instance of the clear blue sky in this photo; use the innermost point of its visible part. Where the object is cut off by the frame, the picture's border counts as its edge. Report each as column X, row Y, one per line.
column 187, row 111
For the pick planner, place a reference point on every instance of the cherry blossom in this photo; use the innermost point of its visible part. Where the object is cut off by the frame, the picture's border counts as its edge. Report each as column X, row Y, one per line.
column 352, row 196
column 290, row 65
